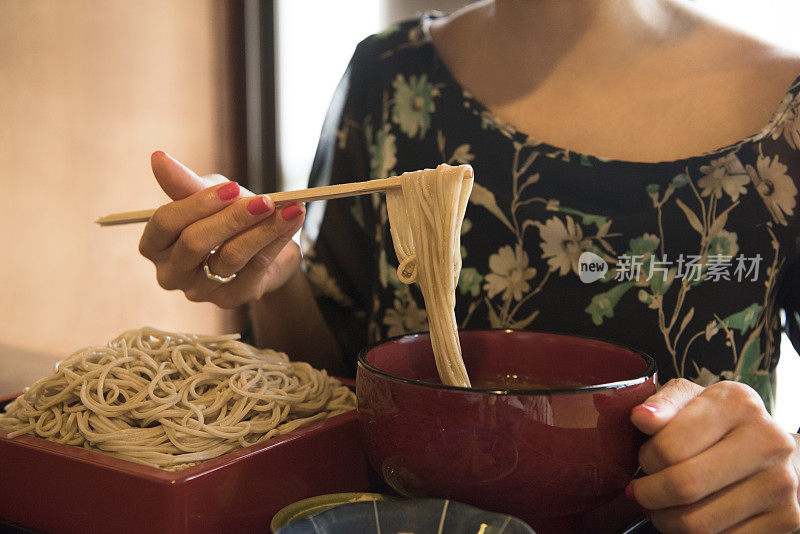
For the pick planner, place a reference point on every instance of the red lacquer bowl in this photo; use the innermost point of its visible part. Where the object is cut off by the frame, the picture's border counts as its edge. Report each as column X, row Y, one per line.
column 535, row 454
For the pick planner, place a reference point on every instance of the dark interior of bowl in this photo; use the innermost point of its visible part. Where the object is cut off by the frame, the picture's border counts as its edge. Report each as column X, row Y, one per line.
column 519, row 360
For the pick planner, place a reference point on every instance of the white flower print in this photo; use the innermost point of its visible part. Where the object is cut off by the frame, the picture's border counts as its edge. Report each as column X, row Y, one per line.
column 562, row 244
column 405, row 317
column 462, row 154
column 726, row 174
column 510, row 273
column 775, row 187
column 490, row 120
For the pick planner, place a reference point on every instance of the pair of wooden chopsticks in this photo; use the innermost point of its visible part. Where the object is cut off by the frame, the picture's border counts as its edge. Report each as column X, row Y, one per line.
column 302, row 195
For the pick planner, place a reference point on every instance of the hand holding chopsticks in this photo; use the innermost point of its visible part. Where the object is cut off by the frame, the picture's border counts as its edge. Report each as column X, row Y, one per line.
column 301, row 195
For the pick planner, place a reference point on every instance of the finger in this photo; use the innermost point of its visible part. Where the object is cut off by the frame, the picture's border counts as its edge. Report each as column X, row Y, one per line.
column 734, row 505
column 197, row 287
column 714, row 469
column 177, row 180
column 168, row 221
column 261, row 243
column 264, row 273
column 659, row 409
column 785, row 519
column 702, row 422
column 200, row 237
column 257, row 278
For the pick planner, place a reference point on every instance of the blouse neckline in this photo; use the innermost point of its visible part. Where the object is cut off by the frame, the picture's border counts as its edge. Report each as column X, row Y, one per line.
column 508, row 129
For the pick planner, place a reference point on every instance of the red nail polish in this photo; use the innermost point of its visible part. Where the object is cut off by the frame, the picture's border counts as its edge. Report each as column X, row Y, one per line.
column 258, row 205
column 629, row 492
column 291, row 212
column 228, row 191
column 652, row 410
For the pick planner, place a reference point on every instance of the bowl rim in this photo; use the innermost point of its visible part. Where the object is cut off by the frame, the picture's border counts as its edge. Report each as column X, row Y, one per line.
column 651, row 370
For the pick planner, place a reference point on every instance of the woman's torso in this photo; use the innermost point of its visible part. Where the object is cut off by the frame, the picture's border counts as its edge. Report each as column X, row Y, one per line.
column 696, row 248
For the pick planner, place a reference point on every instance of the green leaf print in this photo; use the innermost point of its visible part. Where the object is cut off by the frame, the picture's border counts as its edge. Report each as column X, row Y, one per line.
column 751, row 357
column 602, row 305
column 660, row 282
column 469, row 281
column 680, row 180
column 725, row 243
column 645, row 244
column 761, row 382
column 741, row 321
column 388, row 31
column 466, row 226
column 382, row 151
column 586, row 218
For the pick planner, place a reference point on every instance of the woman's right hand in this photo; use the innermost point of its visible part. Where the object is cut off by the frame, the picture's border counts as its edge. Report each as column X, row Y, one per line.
column 250, row 239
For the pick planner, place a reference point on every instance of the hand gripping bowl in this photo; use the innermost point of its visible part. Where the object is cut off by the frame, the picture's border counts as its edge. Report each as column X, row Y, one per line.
column 536, row 454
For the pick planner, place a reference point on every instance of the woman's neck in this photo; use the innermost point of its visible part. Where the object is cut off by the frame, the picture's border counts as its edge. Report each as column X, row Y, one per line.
column 526, row 21
column 537, row 36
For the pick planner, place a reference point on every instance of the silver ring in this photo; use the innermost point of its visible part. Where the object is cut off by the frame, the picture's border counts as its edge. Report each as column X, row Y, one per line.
column 213, row 276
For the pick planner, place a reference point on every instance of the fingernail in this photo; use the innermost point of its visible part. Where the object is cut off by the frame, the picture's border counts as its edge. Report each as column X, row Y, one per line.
column 629, row 492
column 258, row 205
column 653, row 410
column 228, row 191
column 646, row 512
column 291, row 212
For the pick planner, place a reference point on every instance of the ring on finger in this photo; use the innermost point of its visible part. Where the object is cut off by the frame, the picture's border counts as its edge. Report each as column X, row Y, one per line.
column 212, row 275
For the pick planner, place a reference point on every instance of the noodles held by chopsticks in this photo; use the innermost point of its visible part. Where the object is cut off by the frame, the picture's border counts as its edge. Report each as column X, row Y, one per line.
column 425, row 218
column 168, row 400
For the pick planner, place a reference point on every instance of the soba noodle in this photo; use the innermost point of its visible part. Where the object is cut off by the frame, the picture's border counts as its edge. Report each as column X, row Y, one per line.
column 169, row 400
column 425, row 217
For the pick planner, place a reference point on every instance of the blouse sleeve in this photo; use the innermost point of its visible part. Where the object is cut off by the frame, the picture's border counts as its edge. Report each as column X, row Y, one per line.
column 785, row 135
column 790, row 302
column 338, row 238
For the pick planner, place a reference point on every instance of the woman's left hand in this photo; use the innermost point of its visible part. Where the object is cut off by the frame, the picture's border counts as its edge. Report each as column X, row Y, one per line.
column 716, row 462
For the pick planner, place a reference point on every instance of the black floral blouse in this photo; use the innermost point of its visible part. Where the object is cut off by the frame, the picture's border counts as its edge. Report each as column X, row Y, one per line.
column 685, row 260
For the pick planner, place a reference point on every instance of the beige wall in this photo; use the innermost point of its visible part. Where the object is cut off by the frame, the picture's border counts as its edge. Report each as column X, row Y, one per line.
column 88, row 89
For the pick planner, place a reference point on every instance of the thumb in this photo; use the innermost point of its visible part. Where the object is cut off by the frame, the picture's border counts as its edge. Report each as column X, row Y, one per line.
column 175, row 179
column 660, row 408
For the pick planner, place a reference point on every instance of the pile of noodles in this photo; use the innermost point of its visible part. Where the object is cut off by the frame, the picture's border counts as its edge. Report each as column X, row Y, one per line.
column 170, row 400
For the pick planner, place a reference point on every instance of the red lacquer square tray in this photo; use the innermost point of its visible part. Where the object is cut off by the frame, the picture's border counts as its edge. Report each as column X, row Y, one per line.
column 60, row 488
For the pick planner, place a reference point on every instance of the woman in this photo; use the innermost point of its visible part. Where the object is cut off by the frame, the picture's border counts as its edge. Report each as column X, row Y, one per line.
column 633, row 99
